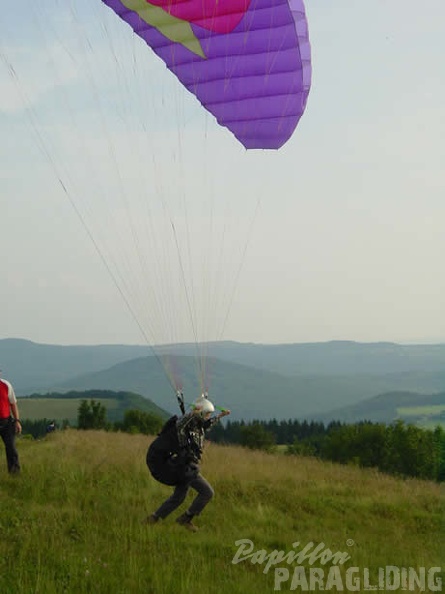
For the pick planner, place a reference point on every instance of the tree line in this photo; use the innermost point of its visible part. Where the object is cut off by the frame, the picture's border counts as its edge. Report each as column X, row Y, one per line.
column 400, row 449
column 92, row 414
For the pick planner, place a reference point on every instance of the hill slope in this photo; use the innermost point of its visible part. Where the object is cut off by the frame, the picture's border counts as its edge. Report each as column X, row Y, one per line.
column 72, row 520
column 255, row 390
column 408, row 406
column 59, row 407
column 233, row 386
column 33, row 367
column 250, row 393
column 337, row 357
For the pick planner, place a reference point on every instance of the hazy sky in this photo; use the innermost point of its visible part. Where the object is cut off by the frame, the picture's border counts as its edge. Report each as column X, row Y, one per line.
column 341, row 232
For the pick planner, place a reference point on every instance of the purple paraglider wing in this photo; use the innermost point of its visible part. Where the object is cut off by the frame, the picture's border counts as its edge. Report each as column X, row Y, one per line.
column 248, row 62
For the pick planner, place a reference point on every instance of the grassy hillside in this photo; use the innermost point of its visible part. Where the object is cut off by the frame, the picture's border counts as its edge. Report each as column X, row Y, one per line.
column 72, row 521
column 60, row 407
column 427, row 410
column 425, row 416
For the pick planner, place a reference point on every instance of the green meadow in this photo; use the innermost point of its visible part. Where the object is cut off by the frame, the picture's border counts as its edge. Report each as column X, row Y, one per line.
column 71, row 522
column 59, row 408
column 433, row 409
column 428, row 417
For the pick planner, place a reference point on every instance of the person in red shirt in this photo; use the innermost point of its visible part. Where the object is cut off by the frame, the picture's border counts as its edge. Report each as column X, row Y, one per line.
column 9, row 424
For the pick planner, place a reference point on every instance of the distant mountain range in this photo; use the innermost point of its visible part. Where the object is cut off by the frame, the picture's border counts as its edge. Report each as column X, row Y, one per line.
column 32, row 366
column 311, row 380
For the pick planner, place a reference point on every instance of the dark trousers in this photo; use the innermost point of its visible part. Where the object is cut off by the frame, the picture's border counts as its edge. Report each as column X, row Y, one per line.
column 199, row 484
column 7, row 432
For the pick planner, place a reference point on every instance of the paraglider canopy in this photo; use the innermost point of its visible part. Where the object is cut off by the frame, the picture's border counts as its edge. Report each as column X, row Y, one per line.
column 247, row 62
column 162, row 203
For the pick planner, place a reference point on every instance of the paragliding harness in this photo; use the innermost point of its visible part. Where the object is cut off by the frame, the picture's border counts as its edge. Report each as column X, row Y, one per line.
column 167, row 461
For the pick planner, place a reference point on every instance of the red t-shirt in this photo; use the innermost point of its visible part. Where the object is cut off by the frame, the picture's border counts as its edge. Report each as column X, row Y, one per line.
column 7, row 397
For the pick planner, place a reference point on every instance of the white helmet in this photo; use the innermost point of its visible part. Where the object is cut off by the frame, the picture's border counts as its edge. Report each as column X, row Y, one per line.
column 203, row 406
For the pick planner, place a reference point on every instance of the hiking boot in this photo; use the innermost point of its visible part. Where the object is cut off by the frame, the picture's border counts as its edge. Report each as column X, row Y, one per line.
column 152, row 519
column 186, row 521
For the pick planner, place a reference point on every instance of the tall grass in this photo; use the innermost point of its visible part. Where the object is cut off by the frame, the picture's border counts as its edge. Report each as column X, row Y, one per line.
column 71, row 522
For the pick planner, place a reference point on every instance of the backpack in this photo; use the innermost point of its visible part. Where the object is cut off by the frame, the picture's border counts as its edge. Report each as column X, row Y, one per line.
column 166, row 462
column 167, row 438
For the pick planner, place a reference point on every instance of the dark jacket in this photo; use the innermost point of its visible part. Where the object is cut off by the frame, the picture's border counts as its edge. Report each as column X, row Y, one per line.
column 174, row 456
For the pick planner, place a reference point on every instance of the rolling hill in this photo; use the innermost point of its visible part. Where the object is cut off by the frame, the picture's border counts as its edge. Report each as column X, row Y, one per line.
column 65, row 406
column 250, row 394
column 34, row 366
column 255, row 381
column 427, row 410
